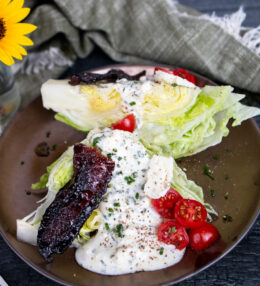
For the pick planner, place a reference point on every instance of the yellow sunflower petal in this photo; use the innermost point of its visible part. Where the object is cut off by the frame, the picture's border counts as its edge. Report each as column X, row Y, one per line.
column 5, row 58
column 17, row 15
column 24, row 41
column 23, row 28
column 12, row 7
column 3, row 4
column 11, row 49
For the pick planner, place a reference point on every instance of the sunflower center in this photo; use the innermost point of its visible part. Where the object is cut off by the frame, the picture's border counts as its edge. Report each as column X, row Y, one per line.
column 2, row 28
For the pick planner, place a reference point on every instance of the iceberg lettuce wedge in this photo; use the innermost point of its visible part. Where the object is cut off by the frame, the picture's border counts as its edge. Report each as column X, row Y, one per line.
column 202, row 126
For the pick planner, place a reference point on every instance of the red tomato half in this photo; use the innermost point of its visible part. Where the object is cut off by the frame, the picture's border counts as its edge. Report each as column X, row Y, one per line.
column 165, row 205
column 203, row 236
column 179, row 72
column 125, row 124
column 190, row 213
column 171, row 232
column 184, row 74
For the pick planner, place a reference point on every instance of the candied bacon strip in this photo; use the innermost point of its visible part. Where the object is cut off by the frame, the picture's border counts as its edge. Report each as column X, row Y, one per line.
column 110, row 76
column 75, row 202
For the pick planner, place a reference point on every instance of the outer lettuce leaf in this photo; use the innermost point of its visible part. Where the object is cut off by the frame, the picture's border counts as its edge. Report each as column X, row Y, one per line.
column 42, row 184
column 189, row 189
column 61, row 117
column 202, row 126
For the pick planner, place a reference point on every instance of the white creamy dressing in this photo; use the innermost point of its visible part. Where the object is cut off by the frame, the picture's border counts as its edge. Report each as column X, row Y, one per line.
column 126, row 241
column 132, row 93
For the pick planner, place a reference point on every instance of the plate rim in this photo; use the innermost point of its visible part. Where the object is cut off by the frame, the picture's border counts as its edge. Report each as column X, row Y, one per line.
column 56, row 279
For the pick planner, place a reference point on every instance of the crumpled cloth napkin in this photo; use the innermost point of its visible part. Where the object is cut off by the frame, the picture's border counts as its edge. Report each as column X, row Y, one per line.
column 134, row 31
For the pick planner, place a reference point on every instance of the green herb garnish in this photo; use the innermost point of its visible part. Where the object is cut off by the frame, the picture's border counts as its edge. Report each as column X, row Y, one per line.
column 109, row 155
column 212, row 192
column 226, row 177
column 110, row 210
column 107, row 226
column 137, row 196
column 227, row 218
column 54, row 146
column 114, row 150
column 119, row 158
column 129, row 180
column 216, row 157
column 118, row 230
column 174, row 84
column 228, row 150
column 48, row 133
column 207, row 172
column 226, row 196
column 22, row 162
column 173, row 229
column 116, row 204
column 161, row 251
column 95, row 141
column 132, row 103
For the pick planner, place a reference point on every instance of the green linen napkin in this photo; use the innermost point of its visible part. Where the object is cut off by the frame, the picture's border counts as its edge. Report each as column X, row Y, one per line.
column 159, row 31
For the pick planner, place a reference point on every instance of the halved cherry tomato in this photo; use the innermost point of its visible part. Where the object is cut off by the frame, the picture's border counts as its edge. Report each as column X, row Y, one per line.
column 171, row 232
column 190, row 213
column 203, row 236
column 125, row 124
column 184, row 74
column 179, row 72
column 165, row 205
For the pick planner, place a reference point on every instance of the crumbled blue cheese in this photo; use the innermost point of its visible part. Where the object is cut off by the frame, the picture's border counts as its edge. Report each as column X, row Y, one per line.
column 159, row 176
column 172, row 79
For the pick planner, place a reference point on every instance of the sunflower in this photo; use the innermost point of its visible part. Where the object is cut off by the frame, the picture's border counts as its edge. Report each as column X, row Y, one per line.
column 12, row 33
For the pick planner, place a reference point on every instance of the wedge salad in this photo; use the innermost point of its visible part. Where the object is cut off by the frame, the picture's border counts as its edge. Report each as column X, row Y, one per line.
column 118, row 196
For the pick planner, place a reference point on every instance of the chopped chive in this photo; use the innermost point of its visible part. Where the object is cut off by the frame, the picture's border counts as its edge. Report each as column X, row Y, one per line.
column 105, row 200
column 228, row 150
column 226, row 196
column 174, row 84
column 114, row 150
column 118, row 230
column 95, row 141
column 134, row 175
column 109, row 155
column 48, row 133
column 226, row 177
column 227, row 218
column 129, row 180
column 119, row 158
column 110, row 210
column 212, row 192
column 216, row 157
column 54, row 146
column 116, row 204
column 137, row 196
column 132, row 103
column 207, row 172
column 107, row 226
column 22, row 162
column 173, row 229
column 161, row 251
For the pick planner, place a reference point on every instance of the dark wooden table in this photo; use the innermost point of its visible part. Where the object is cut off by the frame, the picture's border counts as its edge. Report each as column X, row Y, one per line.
column 241, row 266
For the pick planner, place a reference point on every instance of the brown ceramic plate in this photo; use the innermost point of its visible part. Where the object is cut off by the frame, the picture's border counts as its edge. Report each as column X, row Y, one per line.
column 241, row 164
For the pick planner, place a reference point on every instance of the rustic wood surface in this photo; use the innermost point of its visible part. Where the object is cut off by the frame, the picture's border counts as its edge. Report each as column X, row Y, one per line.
column 241, row 266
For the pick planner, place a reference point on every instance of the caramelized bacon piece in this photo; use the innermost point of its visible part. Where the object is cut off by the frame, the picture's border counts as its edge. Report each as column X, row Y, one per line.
column 75, row 202
column 110, row 76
